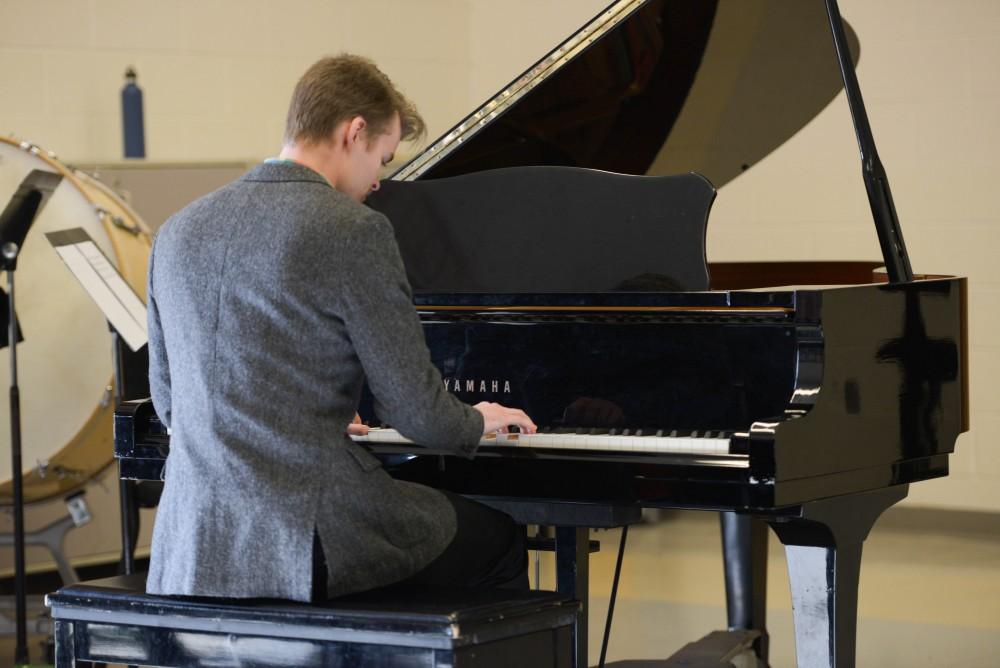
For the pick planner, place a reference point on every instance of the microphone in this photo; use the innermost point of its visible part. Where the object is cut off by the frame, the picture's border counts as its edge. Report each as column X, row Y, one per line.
column 20, row 212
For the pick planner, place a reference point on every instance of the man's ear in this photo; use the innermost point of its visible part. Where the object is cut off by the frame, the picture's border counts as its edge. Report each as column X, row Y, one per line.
column 355, row 129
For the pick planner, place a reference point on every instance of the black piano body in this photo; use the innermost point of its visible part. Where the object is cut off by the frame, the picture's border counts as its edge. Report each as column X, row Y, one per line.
column 830, row 401
column 807, row 395
column 819, row 392
column 812, row 404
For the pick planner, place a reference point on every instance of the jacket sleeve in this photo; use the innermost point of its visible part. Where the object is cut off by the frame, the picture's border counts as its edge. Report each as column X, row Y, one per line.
column 385, row 331
column 159, row 369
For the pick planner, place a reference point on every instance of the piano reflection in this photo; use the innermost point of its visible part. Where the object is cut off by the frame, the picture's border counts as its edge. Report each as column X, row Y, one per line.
column 558, row 269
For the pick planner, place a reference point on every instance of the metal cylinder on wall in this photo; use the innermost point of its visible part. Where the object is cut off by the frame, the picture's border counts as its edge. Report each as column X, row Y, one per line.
column 132, row 123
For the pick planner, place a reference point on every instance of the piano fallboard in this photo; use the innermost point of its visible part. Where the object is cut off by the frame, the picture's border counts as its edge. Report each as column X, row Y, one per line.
column 638, row 368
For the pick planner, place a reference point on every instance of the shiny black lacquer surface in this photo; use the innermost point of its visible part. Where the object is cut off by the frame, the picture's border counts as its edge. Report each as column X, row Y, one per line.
column 626, row 90
column 845, row 390
column 891, row 386
column 621, row 104
column 141, row 441
column 115, row 621
column 544, row 229
column 630, row 369
column 853, row 388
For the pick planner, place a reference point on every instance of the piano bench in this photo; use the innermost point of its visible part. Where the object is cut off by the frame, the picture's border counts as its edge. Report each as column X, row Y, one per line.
column 114, row 621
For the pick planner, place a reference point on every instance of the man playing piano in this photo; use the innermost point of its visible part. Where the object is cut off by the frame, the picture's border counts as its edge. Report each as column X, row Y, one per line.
column 270, row 301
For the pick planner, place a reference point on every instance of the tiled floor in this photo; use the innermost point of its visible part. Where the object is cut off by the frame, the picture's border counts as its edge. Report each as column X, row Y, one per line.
column 930, row 592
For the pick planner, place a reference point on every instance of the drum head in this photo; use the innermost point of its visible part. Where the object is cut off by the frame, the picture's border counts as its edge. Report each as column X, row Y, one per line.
column 64, row 362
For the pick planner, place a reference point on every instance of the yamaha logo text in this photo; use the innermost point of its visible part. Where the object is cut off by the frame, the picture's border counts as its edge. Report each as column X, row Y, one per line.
column 459, row 385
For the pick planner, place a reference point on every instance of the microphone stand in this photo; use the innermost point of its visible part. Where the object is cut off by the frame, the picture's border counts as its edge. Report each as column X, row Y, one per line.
column 15, row 220
column 9, row 252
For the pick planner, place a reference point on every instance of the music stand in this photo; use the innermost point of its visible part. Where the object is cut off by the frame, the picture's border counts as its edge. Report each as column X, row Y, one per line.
column 115, row 298
column 15, row 221
column 126, row 316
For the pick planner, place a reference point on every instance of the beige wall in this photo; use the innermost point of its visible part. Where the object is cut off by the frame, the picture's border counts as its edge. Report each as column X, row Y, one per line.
column 217, row 75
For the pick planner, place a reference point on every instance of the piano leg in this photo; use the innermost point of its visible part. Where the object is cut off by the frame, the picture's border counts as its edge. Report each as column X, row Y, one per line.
column 129, row 524
column 744, row 553
column 823, row 547
column 573, row 579
column 65, row 650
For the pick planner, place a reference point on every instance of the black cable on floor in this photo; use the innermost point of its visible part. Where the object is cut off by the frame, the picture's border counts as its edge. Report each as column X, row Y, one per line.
column 614, row 595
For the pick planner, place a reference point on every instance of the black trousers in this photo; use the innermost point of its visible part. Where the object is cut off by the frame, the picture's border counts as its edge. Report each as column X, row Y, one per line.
column 488, row 550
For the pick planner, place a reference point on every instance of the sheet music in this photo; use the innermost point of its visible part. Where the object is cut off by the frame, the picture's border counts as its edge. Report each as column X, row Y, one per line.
column 116, row 299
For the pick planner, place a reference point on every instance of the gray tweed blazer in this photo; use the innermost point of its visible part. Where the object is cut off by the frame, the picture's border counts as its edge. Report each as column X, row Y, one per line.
column 270, row 301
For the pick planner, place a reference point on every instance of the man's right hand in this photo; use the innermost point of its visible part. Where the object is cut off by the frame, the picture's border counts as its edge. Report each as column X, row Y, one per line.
column 500, row 418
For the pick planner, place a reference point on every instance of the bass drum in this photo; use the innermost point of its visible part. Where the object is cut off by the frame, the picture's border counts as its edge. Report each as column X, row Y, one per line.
column 64, row 362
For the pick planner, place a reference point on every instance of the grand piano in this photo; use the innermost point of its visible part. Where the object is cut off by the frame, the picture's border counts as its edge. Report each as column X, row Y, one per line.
column 557, row 267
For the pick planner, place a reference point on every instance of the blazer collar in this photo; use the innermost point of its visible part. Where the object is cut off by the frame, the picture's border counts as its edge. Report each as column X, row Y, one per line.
column 284, row 171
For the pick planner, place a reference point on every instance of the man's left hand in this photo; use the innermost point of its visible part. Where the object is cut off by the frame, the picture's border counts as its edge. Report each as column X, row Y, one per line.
column 357, row 428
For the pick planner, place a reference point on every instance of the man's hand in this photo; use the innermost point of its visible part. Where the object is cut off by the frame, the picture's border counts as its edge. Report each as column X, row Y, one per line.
column 356, row 428
column 500, row 418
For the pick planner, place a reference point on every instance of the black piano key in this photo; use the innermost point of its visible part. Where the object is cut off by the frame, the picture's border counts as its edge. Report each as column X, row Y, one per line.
column 637, row 431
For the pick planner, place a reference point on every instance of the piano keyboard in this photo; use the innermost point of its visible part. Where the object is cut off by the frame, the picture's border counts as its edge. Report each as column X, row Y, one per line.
column 711, row 443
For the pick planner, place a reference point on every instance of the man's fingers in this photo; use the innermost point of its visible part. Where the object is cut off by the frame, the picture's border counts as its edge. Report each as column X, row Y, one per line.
column 521, row 419
column 357, row 429
column 497, row 418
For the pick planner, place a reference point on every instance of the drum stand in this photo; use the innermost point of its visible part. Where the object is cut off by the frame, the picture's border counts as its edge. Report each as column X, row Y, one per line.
column 50, row 537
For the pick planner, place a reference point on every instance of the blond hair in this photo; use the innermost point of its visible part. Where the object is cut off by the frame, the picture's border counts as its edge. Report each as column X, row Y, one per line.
column 338, row 88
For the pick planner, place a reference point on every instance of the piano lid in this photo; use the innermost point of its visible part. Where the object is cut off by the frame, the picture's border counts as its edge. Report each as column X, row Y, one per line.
column 655, row 87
